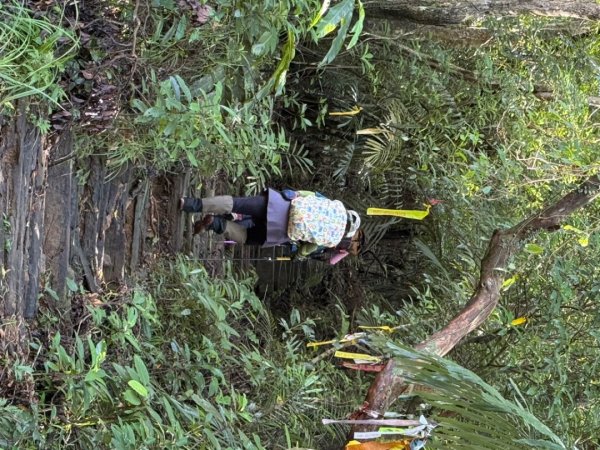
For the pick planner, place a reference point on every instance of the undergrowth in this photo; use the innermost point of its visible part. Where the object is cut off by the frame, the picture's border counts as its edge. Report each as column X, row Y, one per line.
column 184, row 361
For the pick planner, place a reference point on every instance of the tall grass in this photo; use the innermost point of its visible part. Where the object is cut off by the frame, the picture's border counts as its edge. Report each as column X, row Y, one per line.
column 32, row 54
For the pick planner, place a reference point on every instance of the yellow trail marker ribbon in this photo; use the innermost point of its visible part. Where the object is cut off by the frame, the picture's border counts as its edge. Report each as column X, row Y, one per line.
column 385, row 422
column 359, row 356
column 317, row 344
column 347, row 338
column 381, row 327
column 405, row 213
column 354, row 111
column 518, row 321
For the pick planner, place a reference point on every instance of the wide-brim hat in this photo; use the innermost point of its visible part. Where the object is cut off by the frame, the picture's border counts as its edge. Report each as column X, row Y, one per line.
column 354, row 223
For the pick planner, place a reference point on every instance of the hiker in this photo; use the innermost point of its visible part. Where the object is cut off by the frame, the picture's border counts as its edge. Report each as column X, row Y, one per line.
column 303, row 218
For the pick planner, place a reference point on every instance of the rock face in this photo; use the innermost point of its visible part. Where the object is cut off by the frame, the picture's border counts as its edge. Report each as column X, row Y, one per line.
column 23, row 170
column 58, row 217
column 95, row 228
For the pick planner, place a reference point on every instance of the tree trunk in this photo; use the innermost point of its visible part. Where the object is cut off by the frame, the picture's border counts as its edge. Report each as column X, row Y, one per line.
column 23, row 167
column 439, row 12
column 389, row 384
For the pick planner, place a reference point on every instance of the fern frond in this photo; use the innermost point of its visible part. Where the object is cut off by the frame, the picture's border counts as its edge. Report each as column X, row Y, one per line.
column 343, row 162
column 296, row 156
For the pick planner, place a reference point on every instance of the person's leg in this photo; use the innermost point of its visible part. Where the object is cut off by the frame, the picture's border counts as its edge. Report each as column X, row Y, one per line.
column 256, row 235
column 221, row 204
column 255, row 206
column 242, row 232
column 190, row 204
column 217, row 223
column 235, row 232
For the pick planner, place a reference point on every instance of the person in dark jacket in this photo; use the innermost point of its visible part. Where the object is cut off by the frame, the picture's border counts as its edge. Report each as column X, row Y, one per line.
column 265, row 219
column 268, row 212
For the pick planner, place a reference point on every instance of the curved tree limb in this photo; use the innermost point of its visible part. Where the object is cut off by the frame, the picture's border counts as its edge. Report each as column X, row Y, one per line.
column 389, row 384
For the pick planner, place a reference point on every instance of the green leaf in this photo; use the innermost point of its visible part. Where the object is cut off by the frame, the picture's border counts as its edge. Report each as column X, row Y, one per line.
column 509, row 282
column 99, row 354
column 132, row 317
column 430, row 255
column 266, row 43
column 184, row 87
column 181, row 26
column 138, row 388
column 335, row 16
column 131, row 398
column 319, row 15
column 72, row 285
column 337, row 43
column 358, row 26
column 534, row 249
column 139, row 105
column 141, row 370
column 93, row 375
column 191, row 157
column 52, row 293
column 170, row 413
column 277, row 81
column 176, row 89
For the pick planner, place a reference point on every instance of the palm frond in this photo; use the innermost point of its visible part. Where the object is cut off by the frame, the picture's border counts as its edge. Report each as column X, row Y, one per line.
column 471, row 413
column 343, row 162
column 296, row 157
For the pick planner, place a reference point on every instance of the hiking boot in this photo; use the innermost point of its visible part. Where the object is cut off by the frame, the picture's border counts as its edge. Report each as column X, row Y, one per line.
column 190, row 205
column 210, row 223
column 203, row 225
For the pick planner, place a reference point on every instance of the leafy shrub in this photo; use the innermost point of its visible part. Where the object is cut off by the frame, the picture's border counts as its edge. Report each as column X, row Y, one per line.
column 198, row 131
column 205, row 366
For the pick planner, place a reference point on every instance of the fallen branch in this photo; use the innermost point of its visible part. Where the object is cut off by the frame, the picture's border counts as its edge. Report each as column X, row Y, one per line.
column 389, row 384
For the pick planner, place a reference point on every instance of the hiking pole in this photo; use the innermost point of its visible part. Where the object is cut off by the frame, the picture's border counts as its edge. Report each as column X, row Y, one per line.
column 263, row 258
column 266, row 258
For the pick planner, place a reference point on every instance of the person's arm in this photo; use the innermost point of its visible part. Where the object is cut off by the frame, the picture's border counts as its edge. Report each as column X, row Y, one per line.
column 338, row 256
column 306, row 249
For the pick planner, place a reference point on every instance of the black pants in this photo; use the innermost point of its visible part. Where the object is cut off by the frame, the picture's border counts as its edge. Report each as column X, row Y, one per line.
column 256, row 207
